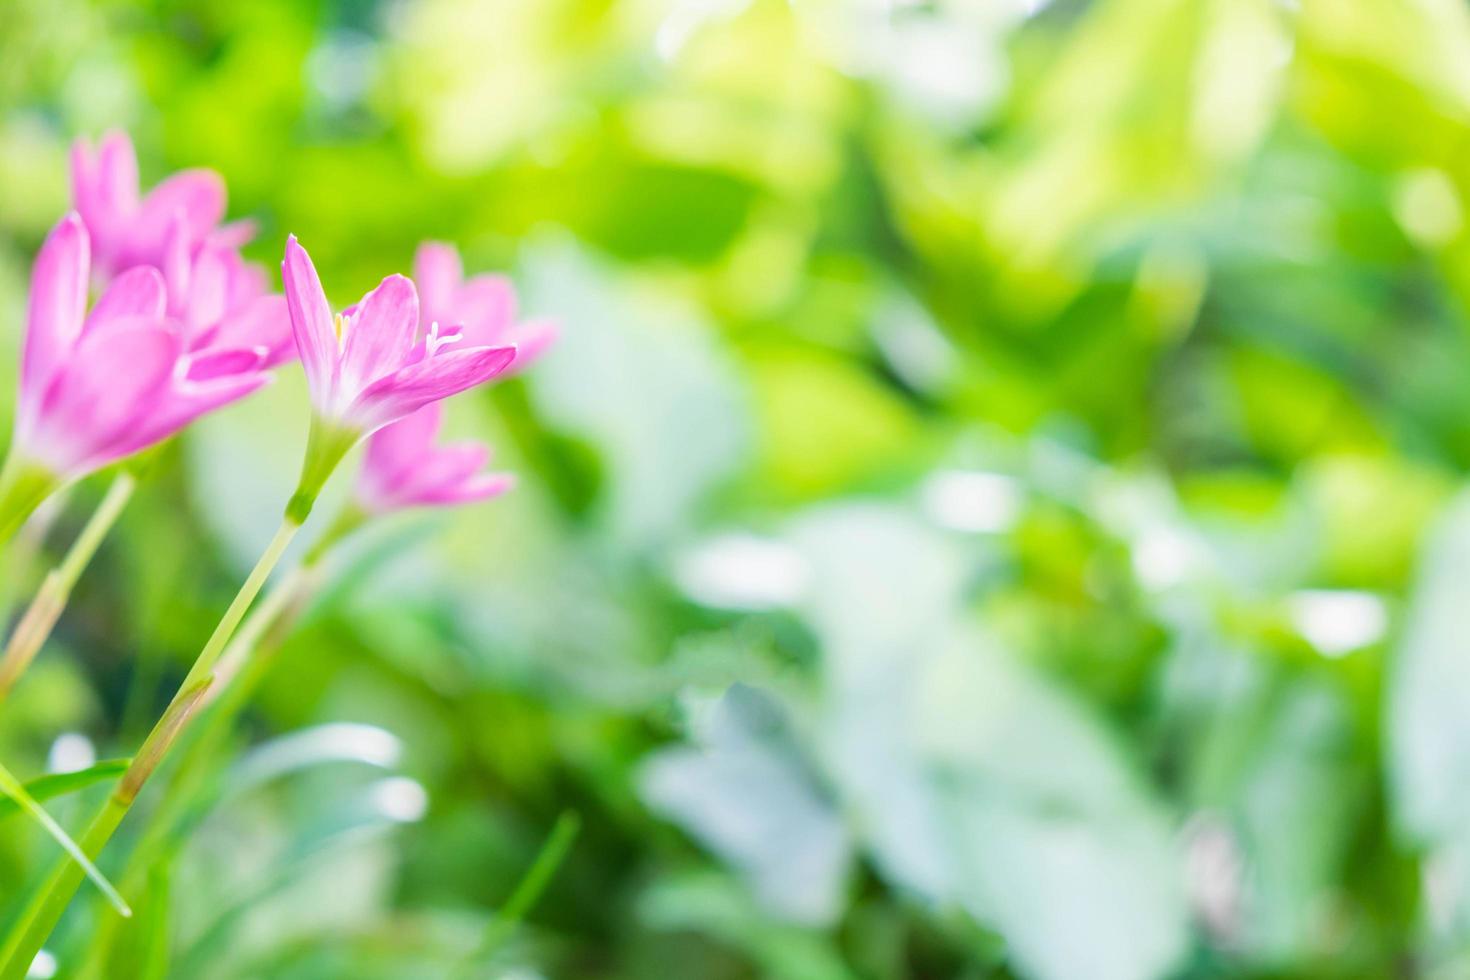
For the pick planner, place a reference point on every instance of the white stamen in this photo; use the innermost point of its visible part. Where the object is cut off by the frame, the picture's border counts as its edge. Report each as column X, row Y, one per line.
column 434, row 341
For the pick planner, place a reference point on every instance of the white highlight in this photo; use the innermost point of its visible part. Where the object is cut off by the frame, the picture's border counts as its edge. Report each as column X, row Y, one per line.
column 71, row 752
column 914, row 347
column 343, row 68
column 400, row 799
column 972, row 501
column 1165, row 556
column 1338, row 622
column 1214, row 873
column 1427, row 207
column 742, row 571
column 43, row 967
column 332, row 742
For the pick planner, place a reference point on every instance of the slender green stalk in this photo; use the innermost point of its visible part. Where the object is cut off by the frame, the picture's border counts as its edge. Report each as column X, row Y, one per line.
column 16, row 790
column 45, row 910
column 40, row 617
column 241, row 669
column 537, row 877
column 20, row 558
column 239, row 673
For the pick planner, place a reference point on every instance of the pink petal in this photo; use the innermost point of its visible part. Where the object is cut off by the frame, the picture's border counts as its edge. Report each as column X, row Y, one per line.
column 427, row 477
column 432, row 470
column 399, row 446
column 466, row 491
column 177, row 265
column 199, row 195
column 181, row 404
column 481, row 487
column 379, row 334
column 263, row 322
column 86, row 188
column 486, row 307
column 437, row 271
column 90, row 403
column 532, row 338
column 57, row 303
column 117, row 172
column 311, row 323
column 426, row 381
column 247, row 280
column 223, row 362
column 446, row 466
column 235, row 235
column 105, row 193
column 138, row 292
column 208, row 285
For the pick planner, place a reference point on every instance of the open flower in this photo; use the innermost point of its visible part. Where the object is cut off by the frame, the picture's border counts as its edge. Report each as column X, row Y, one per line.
column 482, row 307
column 366, row 367
column 96, row 387
column 129, row 229
column 403, row 468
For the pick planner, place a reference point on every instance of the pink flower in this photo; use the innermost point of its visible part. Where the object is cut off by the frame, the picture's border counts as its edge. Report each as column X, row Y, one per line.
column 403, row 468
column 97, row 387
column 365, row 366
column 482, row 307
column 222, row 302
column 219, row 300
column 127, row 229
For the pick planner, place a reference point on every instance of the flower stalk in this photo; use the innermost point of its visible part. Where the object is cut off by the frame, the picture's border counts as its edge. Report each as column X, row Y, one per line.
column 40, row 616
column 240, row 670
column 326, row 444
column 40, row 918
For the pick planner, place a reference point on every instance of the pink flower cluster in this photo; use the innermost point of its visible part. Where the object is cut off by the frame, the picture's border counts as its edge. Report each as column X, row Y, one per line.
column 183, row 325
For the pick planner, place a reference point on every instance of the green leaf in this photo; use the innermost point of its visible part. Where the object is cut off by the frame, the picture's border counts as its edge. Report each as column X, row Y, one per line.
column 61, row 783
column 537, row 877
column 16, row 790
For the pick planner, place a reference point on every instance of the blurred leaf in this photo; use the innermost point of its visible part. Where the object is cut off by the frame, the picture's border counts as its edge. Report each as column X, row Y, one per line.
column 985, row 784
column 1428, row 686
column 709, row 903
column 747, row 795
column 645, row 384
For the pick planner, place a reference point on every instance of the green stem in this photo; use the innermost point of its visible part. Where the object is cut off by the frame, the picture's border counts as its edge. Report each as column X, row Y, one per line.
column 19, row 561
column 23, row 486
column 326, row 444
column 38, row 920
column 41, row 615
column 241, row 669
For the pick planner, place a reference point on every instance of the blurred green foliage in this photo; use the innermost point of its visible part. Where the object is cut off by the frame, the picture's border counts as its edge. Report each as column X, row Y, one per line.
column 996, row 510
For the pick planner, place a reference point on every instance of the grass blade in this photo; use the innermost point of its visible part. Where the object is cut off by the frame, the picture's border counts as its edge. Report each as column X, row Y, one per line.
column 537, row 877
column 16, row 790
column 60, row 783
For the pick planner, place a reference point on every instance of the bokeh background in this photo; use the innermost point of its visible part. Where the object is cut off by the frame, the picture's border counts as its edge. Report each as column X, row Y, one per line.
column 997, row 510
